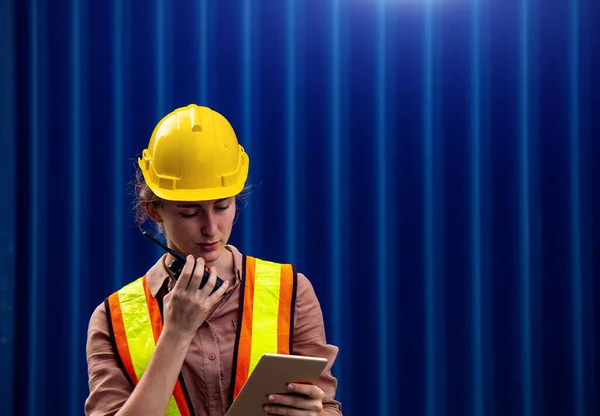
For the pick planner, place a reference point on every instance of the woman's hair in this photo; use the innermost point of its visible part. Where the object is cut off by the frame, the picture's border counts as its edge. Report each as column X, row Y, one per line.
column 143, row 196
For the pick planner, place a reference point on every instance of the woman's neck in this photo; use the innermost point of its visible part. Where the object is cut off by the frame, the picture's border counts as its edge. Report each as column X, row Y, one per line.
column 223, row 264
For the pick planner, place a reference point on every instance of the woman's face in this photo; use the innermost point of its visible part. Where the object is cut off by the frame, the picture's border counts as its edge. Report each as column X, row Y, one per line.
column 201, row 228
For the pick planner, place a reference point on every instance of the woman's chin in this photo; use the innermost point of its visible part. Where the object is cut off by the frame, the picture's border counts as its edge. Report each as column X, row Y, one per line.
column 210, row 256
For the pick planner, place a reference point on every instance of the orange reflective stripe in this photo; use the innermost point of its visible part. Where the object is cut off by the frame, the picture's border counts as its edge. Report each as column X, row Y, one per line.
column 180, row 400
column 120, row 336
column 157, row 326
column 245, row 341
column 153, row 310
column 269, row 328
column 284, row 316
column 143, row 325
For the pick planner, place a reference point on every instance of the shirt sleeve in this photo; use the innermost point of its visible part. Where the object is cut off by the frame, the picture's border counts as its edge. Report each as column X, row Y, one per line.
column 109, row 388
column 309, row 339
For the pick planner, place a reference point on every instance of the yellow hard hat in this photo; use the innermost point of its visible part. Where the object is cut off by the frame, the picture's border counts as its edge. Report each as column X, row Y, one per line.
column 194, row 155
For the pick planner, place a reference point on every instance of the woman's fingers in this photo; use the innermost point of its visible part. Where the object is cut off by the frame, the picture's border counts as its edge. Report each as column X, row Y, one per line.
column 212, row 280
column 303, row 399
column 196, row 278
column 309, row 390
column 186, row 274
column 221, row 290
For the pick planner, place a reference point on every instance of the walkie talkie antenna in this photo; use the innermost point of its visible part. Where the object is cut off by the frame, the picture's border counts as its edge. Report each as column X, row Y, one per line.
column 178, row 256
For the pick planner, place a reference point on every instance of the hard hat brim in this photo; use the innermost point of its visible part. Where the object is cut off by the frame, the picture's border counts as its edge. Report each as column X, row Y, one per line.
column 187, row 195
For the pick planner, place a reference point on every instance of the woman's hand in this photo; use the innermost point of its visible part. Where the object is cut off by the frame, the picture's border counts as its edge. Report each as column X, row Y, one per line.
column 302, row 400
column 185, row 306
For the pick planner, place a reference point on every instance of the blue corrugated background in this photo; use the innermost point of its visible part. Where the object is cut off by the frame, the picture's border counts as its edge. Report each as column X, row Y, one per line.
column 433, row 166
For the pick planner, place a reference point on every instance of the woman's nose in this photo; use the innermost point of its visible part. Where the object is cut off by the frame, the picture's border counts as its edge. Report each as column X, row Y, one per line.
column 209, row 226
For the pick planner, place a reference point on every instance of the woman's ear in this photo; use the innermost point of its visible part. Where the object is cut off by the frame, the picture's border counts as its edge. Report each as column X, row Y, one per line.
column 153, row 213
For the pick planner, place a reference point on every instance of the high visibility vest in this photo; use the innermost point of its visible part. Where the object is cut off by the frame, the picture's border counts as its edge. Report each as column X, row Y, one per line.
column 265, row 325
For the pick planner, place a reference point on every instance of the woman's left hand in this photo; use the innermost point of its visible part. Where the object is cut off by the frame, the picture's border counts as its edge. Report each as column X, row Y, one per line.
column 302, row 400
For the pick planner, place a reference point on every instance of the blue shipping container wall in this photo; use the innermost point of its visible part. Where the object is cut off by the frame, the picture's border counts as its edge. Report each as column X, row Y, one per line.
column 431, row 165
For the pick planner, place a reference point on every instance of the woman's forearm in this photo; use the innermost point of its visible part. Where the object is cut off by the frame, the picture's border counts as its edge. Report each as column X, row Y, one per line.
column 152, row 394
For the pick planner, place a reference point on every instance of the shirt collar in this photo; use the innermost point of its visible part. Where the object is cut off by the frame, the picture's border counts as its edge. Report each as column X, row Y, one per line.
column 156, row 276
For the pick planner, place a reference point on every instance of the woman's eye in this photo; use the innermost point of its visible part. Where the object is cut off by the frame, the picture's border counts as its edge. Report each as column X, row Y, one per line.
column 187, row 215
column 221, row 208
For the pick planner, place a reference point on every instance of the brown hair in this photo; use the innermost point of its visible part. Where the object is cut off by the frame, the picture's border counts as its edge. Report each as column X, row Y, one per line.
column 143, row 196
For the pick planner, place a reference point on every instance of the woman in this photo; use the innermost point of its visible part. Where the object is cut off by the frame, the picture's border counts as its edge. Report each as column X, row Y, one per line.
column 196, row 346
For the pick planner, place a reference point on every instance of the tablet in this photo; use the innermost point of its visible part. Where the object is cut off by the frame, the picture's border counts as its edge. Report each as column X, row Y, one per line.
column 272, row 374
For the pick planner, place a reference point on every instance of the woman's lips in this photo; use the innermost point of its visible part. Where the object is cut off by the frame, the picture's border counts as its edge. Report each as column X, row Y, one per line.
column 209, row 246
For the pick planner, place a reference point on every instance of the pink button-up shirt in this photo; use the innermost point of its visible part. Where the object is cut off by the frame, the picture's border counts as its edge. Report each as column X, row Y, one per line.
column 207, row 368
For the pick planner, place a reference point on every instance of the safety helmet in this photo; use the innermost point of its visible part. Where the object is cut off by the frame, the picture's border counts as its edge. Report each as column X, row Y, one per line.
column 194, row 155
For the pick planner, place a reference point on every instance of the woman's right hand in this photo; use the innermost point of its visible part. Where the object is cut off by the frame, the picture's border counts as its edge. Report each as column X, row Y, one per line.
column 185, row 306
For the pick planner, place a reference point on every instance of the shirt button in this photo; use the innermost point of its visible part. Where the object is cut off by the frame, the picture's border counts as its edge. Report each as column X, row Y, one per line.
column 211, row 357
column 216, row 396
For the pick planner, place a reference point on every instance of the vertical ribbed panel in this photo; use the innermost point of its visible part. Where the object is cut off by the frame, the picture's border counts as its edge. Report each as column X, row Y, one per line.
column 382, row 204
column 162, row 66
column 7, row 209
column 427, row 140
column 334, row 175
column 118, row 74
column 335, row 172
column 476, row 226
column 77, row 193
column 37, row 282
column 247, row 110
column 290, row 131
column 430, row 166
column 203, row 51
column 575, row 194
column 524, row 211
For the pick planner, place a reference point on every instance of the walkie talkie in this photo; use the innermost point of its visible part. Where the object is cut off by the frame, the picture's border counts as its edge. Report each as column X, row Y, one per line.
column 176, row 265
